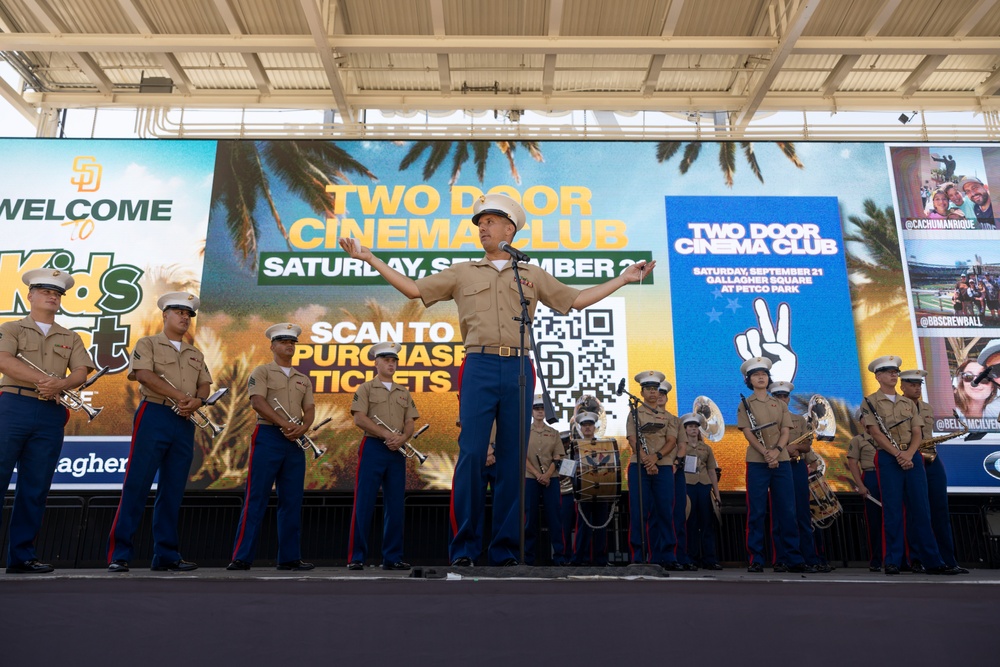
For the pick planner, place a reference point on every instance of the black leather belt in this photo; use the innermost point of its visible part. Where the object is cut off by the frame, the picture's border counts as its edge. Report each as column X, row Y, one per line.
column 498, row 350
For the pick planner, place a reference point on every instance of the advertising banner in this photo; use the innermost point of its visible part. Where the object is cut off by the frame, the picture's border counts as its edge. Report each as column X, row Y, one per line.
column 821, row 256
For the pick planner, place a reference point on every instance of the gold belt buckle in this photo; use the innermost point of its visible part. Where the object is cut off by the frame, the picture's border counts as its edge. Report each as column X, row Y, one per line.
column 505, row 351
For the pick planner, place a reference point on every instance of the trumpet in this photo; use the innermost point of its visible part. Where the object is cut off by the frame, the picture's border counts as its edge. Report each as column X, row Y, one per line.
column 304, row 441
column 199, row 418
column 73, row 399
column 753, row 423
column 408, row 450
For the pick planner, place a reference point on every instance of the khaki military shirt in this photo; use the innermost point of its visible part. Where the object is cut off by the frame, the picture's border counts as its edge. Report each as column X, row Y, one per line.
column 765, row 410
column 927, row 430
column 58, row 353
column 706, row 462
column 185, row 369
column 655, row 440
column 487, row 299
column 294, row 392
column 862, row 449
column 800, row 427
column 393, row 406
column 902, row 410
column 544, row 445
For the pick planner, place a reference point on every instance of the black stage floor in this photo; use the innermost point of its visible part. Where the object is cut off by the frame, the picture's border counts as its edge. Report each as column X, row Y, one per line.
column 330, row 616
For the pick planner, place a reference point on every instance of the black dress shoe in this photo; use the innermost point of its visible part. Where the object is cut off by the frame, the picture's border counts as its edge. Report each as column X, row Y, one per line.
column 462, row 561
column 943, row 569
column 509, row 562
column 891, row 569
column 713, row 566
column 690, row 567
column 875, row 568
column 356, row 566
column 238, row 565
column 802, row 568
column 823, row 568
column 959, row 569
column 118, row 566
column 755, row 567
column 296, row 565
column 672, row 566
column 32, row 566
column 398, row 565
column 917, row 568
column 175, row 566
column 780, row 567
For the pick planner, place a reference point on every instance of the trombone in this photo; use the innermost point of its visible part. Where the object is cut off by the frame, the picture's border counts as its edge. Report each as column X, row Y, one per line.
column 408, row 450
column 73, row 399
column 202, row 420
column 304, row 441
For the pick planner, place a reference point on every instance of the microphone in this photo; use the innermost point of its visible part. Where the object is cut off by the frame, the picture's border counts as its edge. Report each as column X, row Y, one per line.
column 621, row 387
column 983, row 375
column 514, row 253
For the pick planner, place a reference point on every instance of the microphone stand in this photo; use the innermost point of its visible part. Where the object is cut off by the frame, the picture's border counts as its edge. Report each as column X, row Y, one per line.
column 633, row 411
column 522, row 379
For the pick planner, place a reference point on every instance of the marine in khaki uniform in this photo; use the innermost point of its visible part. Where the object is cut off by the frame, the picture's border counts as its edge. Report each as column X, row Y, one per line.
column 911, row 384
column 545, row 451
column 700, row 486
column 162, row 438
column 798, row 455
column 593, row 515
column 276, row 459
column 769, row 472
column 31, row 417
column 380, row 463
column 902, row 482
column 657, row 478
column 861, row 464
column 486, row 294
column 680, row 484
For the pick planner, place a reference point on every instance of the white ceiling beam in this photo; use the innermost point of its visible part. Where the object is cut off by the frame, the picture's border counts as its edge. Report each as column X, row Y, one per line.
column 485, row 44
column 920, row 74
column 85, row 62
column 673, row 15
column 432, row 100
column 321, row 45
column 437, row 17
column 973, row 17
column 555, row 18
column 251, row 60
column 549, row 74
column 168, row 61
column 889, row 8
column 444, row 72
column 836, row 77
column 20, row 105
column 653, row 74
column 990, row 86
column 795, row 25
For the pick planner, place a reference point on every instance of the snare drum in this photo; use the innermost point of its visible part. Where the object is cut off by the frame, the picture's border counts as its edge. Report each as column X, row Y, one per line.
column 599, row 470
column 823, row 503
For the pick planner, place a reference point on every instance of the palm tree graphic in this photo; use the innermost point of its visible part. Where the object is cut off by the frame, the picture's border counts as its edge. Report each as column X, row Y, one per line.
column 244, row 170
column 478, row 150
column 727, row 156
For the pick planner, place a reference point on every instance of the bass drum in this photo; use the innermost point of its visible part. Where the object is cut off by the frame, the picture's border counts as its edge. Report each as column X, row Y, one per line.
column 599, row 470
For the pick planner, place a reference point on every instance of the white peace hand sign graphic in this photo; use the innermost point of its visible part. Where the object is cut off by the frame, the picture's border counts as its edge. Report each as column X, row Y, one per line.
column 770, row 341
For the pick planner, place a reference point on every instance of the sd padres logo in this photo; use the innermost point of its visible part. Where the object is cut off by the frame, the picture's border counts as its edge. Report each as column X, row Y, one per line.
column 992, row 464
column 88, row 178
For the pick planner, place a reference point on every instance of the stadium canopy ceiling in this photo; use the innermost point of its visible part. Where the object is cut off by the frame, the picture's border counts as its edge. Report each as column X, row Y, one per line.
column 738, row 57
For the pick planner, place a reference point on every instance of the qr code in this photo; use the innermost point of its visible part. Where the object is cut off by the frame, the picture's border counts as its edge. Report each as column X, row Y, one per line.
column 585, row 352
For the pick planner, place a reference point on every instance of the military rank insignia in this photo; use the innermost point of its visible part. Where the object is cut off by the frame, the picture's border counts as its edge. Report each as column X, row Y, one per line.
column 355, row 399
column 252, row 381
column 136, row 355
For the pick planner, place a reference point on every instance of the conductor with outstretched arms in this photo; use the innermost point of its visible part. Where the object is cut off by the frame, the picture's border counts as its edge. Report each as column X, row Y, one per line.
column 486, row 295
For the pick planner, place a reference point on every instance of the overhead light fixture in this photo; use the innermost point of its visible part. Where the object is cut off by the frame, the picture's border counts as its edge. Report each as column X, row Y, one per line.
column 904, row 119
column 162, row 85
column 514, row 115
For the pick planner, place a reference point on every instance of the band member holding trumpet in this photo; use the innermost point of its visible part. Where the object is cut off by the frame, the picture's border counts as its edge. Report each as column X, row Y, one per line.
column 911, row 383
column 174, row 383
column 545, row 451
column 861, row 463
column 654, row 451
column 282, row 397
column 701, row 485
column 386, row 413
column 765, row 423
column 35, row 355
column 894, row 422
